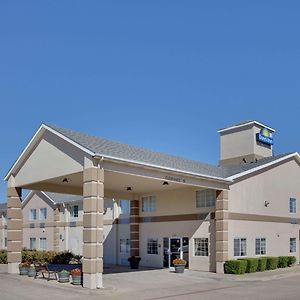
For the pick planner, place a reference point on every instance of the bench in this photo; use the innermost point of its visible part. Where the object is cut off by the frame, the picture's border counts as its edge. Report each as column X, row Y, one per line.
column 43, row 269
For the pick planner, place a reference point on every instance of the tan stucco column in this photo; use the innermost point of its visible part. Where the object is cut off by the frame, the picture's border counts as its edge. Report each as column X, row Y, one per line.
column 14, row 229
column 93, row 193
column 134, row 228
column 56, row 230
column 221, row 230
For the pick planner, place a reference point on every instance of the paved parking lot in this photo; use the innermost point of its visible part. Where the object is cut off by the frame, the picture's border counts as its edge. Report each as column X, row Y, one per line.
column 159, row 284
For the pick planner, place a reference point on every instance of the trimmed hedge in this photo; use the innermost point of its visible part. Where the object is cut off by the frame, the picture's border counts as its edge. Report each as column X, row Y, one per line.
column 3, row 257
column 262, row 264
column 283, row 261
column 50, row 257
column 291, row 260
column 272, row 262
column 252, row 264
column 235, row 266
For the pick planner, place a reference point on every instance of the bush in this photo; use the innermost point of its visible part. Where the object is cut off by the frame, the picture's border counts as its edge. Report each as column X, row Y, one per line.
column 262, row 264
column 291, row 260
column 235, row 266
column 272, row 263
column 252, row 264
column 63, row 257
column 283, row 261
column 3, row 257
column 50, row 257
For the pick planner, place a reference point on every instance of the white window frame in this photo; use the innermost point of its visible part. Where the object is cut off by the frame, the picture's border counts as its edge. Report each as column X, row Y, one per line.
column 240, row 253
column 31, row 215
column 201, row 247
column 73, row 210
column 42, row 215
column 43, row 239
column 261, row 247
column 30, row 240
column 293, row 246
column 152, row 246
column 293, row 205
column 205, row 198
column 124, row 248
column 149, row 203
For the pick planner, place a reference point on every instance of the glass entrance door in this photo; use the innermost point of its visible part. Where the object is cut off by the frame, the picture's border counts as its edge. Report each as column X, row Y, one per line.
column 175, row 250
column 175, row 247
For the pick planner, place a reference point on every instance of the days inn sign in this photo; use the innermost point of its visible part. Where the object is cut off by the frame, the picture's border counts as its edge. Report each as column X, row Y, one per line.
column 265, row 136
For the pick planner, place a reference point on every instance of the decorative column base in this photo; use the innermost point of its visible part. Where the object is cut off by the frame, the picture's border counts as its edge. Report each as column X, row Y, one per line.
column 93, row 281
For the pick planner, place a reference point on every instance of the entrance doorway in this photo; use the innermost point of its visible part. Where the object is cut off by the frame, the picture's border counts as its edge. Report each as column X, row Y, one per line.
column 175, row 247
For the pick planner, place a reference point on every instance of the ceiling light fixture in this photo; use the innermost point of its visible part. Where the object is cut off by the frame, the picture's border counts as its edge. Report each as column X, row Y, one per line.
column 65, row 180
column 129, row 188
column 165, row 183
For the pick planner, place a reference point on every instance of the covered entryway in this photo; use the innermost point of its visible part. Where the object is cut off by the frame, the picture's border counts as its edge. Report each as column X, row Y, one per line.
column 64, row 161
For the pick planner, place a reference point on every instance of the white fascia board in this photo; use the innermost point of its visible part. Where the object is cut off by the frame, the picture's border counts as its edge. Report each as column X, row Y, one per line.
column 48, row 197
column 29, row 195
column 233, row 177
column 246, row 124
column 34, row 139
column 132, row 162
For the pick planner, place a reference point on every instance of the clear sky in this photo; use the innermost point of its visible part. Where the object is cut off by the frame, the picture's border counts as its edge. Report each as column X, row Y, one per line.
column 164, row 75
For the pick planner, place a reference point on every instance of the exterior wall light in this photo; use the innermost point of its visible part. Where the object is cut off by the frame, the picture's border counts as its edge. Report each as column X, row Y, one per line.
column 266, row 203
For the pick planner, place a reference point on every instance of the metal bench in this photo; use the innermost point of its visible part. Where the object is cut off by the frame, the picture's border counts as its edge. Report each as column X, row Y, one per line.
column 42, row 269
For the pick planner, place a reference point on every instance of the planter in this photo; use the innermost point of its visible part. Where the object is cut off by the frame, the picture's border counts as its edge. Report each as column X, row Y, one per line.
column 64, row 277
column 31, row 272
column 23, row 270
column 179, row 268
column 76, row 279
column 134, row 261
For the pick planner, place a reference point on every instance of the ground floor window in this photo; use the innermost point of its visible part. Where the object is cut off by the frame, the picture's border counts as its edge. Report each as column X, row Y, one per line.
column 240, row 247
column 124, row 245
column 293, row 245
column 152, row 246
column 260, row 246
column 32, row 243
column 43, row 244
column 201, row 246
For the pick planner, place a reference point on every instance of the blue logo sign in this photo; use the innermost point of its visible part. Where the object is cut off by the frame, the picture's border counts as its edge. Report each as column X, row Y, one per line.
column 265, row 136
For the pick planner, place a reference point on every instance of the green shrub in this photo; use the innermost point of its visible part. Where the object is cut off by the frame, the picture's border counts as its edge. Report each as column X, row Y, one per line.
column 3, row 257
column 262, row 264
column 272, row 263
column 252, row 264
column 291, row 260
column 283, row 261
column 63, row 257
column 235, row 266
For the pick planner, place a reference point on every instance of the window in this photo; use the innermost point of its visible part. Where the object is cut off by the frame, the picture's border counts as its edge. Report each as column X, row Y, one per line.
column 205, row 198
column 293, row 245
column 43, row 244
column 32, row 243
column 43, row 214
column 32, row 214
column 152, row 246
column 260, row 246
column 149, row 203
column 292, row 205
column 201, row 247
column 5, row 242
column 240, row 247
column 124, row 206
column 74, row 211
column 124, row 245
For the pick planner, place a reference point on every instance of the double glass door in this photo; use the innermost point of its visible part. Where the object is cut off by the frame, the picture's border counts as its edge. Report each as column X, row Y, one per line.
column 175, row 247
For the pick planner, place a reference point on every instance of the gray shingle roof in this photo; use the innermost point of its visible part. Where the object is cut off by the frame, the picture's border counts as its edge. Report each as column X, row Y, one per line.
column 105, row 147
column 63, row 198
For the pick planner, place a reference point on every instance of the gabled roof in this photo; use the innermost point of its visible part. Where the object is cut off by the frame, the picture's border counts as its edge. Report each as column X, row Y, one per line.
column 245, row 123
column 63, row 198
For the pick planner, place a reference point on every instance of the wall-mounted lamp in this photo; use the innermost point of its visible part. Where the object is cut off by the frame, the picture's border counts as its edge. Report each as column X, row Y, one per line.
column 165, row 183
column 129, row 188
column 65, row 180
column 266, row 203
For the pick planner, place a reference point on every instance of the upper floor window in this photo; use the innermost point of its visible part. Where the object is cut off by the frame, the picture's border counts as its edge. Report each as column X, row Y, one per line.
column 292, row 205
column 205, row 198
column 240, row 247
column 43, row 213
column 149, row 203
column 74, row 211
column 260, row 246
column 32, row 214
column 124, row 206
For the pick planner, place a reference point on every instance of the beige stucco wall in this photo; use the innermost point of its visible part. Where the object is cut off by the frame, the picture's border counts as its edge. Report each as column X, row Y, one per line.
column 248, row 196
column 38, row 201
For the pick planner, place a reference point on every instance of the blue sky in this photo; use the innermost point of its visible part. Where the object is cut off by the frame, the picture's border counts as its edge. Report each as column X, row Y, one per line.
column 164, row 75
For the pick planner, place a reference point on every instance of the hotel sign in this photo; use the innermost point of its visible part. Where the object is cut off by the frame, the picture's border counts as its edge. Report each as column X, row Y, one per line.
column 177, row 179
column 265, row 136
